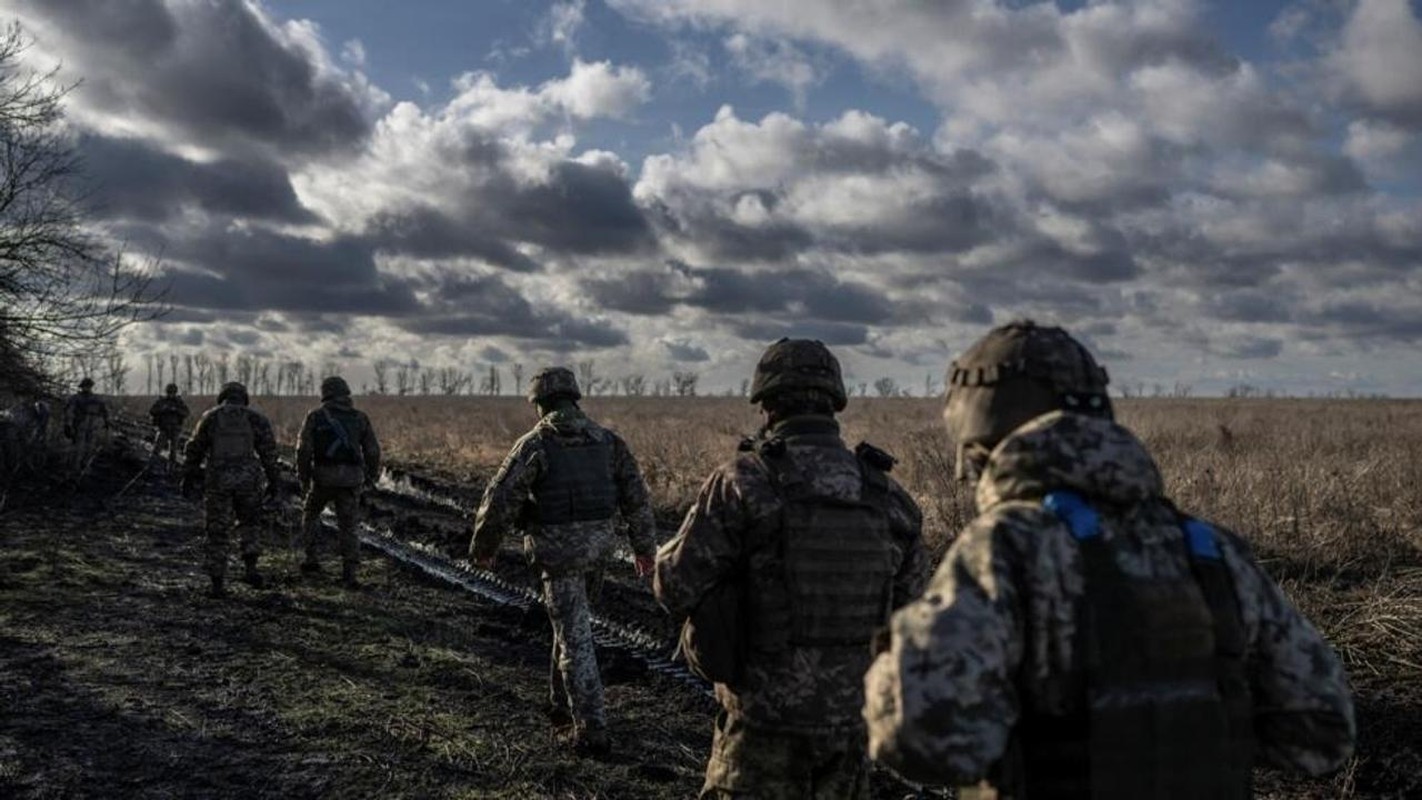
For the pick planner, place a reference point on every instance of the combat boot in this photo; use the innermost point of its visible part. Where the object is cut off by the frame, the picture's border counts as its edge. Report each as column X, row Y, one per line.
column 348, row 577
column 592, row 742
column 219, row 588
column 251, row 576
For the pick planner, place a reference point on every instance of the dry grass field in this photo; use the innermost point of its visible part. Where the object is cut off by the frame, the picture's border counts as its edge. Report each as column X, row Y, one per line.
column 1328, row 491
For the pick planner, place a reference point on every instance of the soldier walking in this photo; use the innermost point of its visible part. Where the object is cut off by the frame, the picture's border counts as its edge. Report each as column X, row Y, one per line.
column 168, row 413
column 337, row 456
column 565, row 483
column 1083, row 637
column 237, row 446
column 819, row 544
column 86, row 420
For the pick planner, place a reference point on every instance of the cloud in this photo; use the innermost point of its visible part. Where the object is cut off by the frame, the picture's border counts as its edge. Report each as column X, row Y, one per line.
column 218, row 77
column 1378, row 61
column 685, row 351
column 774, row 61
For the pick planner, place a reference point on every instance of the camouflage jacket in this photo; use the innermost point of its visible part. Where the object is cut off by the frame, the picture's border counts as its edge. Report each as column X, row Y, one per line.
column 168, row 412
column 242, row 474
column 995, row 631
column 361, row 434
column 84, row 409
column 569, row 547
column 803, row 688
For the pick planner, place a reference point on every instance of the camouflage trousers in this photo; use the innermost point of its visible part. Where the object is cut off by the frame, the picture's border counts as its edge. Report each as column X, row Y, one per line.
column 574, row 681
column 88, row 437
column 346, row 500
column 222, row 507
column 166, row 438
column 749, row 763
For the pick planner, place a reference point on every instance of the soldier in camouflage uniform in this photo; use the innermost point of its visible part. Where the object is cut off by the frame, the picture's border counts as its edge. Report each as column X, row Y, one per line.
column 824, row 544
column 168, row 414
column 86, row 419
column 564, row 483
column 1083, row 638
column 238, row 447
column 337, row 456
column 23, row 428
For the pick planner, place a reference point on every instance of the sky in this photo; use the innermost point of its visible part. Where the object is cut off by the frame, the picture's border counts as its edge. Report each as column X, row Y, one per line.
column 1209, row 194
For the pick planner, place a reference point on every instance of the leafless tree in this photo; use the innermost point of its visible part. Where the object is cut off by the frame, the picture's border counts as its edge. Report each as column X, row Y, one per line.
column 517, row 370
column 886, row 387
column 685, row 383
column 452, row 380
column 62, row 290
column 491, row 383
column 405, row 377
column 634, row 385
column 381, row 367
column 587, row 376
column 427, row 380
column 115, row 372
column 204, row 365
column 224, row 366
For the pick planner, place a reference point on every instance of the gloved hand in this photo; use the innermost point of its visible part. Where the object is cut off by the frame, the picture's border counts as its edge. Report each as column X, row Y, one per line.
column 644, row 565
column 189, row 486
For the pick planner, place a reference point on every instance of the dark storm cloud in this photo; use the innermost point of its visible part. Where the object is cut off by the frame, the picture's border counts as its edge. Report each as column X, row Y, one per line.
column 1246, row 347
column 831, row 333
column 211, row 71
column 685, row 351
column 486, row 306
column 255, row 270
column 428, row 233
column 133, row 180
column 789, row 293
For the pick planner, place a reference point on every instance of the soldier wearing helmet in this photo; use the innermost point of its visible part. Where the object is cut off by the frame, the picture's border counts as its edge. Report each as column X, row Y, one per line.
column 1084, row 638
column 168, row 414
column 337, row 456
column 86, row 420
column 565, row 483
column 236, row 444
column 793, row 555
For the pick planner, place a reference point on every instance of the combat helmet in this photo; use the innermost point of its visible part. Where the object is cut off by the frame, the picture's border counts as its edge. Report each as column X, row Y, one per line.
column 171, row 389
column 553, row 382
column 232, row 390
column 1014, row 374
column 798, row 364
column 86, row 383
column 333, row 387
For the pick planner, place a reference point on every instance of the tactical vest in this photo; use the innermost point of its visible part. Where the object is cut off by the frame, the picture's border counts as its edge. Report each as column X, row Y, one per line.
column 168, row 412
column 828, row 581
column 233, row 437
column 1165, row 711
column 578, row 485
column 335, row 438
column 85, row 406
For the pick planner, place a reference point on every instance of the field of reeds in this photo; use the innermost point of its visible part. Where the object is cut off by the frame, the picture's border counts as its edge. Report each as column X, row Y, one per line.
column 1329, row 492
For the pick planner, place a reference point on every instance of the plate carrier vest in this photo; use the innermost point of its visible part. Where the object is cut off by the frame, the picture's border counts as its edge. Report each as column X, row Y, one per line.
column 577, row 485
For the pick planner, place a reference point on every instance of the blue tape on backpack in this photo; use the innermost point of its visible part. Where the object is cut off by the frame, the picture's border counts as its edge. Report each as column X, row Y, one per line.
column 1078, row 515
column 1201, row 540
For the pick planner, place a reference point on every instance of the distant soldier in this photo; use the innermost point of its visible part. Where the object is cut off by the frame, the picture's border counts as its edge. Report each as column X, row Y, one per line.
column 818, row 545
column 1083, row 637
column 238, row 447
column 23, row 429
column 86, row 420
column 168, row 414
column 564, row 484
column 337, row 455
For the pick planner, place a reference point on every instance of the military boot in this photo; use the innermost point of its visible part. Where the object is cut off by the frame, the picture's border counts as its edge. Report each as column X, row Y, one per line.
column 592, row 741
column 219, row 588
column 348, row 577
column 251, row 576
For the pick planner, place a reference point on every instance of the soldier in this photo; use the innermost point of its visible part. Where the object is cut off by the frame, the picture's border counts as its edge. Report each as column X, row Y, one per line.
column 237, row 444
column 820, row 544
column 25, row 426
column 337, row 456
column 86, row 419
column 564, row 483
column 1084, row 638
column 168, row 414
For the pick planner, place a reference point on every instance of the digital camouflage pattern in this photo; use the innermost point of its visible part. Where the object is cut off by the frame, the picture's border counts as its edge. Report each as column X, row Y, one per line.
column 573, row 547
column 553, row 382
column 168, row 414
column 568, row 554
column 573, row 679
column 798, row 365
column 336, row 484
column 86, row 419
column 804, row 698
column 750, row 762
column 995, row 631
column 232, row 490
